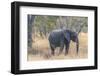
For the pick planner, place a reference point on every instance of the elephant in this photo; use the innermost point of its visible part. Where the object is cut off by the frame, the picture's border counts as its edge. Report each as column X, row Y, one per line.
column 61, row 38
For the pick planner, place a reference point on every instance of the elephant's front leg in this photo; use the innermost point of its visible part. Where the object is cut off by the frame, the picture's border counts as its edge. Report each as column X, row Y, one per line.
column 66, row 48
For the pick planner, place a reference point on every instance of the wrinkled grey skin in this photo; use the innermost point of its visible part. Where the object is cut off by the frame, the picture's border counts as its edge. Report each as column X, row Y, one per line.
column 61, row 38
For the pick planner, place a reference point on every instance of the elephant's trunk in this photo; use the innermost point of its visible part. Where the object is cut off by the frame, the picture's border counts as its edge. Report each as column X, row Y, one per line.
column 77, row 45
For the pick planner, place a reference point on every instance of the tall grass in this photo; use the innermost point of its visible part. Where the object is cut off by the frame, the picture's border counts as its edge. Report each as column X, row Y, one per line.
column 41, row 51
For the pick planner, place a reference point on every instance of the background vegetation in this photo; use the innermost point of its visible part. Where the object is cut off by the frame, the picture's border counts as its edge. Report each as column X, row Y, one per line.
column 43, row 25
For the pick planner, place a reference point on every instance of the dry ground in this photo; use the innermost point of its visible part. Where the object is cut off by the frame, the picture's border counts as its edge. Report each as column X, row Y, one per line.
column 41, row 50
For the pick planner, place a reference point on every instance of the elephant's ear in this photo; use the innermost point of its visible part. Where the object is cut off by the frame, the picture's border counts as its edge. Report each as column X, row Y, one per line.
column 67, row 36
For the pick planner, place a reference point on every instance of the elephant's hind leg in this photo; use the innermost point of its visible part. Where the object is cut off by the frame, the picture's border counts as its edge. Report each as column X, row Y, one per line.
column 61, row 48
column 52, row 49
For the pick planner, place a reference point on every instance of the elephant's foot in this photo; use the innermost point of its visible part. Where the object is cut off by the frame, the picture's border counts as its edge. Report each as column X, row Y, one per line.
column 66, row 53
column 53, row 53
column 77, row 53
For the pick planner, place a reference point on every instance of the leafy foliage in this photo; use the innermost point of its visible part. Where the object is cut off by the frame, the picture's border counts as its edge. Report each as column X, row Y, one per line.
column 45, row 24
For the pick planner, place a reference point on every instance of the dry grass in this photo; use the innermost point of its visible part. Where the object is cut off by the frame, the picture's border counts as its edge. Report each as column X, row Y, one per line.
column 41, row 50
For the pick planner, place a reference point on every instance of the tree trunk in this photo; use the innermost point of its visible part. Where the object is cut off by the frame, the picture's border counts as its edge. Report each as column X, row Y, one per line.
column 30, row 26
